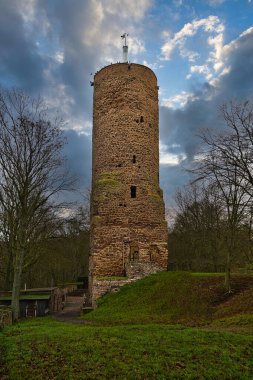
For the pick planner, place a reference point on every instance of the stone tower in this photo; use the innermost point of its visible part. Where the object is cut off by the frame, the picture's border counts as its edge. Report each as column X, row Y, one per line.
column 128, row 227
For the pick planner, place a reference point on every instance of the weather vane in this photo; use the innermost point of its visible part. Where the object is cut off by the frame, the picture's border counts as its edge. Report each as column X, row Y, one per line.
column 124, row 36
column 125, row 48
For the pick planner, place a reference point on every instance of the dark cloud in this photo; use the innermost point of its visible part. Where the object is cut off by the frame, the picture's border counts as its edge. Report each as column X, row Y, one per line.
column 20, row 63
column 70, row 19
column 65, row 86
column 239, row 82
column 171, row 178
column 30, row 43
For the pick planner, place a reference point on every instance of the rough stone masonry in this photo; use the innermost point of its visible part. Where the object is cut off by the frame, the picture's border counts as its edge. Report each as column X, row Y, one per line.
column 128, row 226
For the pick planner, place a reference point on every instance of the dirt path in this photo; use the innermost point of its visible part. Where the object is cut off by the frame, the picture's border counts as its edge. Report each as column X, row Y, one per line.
column 71, row 311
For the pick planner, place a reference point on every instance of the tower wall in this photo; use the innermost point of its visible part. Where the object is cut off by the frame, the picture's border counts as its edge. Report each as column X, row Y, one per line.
column 128, row 227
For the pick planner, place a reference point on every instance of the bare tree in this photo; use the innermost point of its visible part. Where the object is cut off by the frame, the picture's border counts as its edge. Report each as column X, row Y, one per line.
column 236, row 142
column 65, row 255
column 226, row 161
column 31, row 176
column 195, row 240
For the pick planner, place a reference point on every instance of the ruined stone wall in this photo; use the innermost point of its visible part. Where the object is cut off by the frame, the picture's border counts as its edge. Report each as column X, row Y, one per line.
column 101, row 287
column 5, row 316
column 127, row 208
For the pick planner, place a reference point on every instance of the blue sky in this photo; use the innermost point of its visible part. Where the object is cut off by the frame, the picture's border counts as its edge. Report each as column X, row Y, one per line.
column 201, row 52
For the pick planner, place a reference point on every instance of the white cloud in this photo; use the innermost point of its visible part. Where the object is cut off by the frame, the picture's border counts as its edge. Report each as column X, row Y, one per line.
column 247, row 31
column 27, row 10
column 112, row 18
column 189, row 54
column 179, row 100
column 215, row 56
column 215, row 64
column 59, row 57
column 170, row 158
column 135, row 45
column 32, row 18
column 126, row 8
column 200, row 69
column 220, row 58
column 82, row 128
column 218, row 63
column 166, row 34
column 152, row 66
column 211, row 24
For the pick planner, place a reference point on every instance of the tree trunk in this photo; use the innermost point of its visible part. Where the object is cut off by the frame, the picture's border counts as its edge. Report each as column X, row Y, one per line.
column 228, row 274
column 17, row 284
column 9, row 272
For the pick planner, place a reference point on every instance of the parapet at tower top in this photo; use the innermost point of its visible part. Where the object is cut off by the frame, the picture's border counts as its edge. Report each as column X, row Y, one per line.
column 125, row 48
column 125, row 60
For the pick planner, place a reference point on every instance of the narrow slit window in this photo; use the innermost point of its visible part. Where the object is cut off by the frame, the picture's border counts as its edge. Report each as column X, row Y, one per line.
column 141, row 119
column 134, row 159
column 133, row 191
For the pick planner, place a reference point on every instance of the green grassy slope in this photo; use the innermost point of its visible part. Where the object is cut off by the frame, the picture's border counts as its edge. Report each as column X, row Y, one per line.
column 175, row 297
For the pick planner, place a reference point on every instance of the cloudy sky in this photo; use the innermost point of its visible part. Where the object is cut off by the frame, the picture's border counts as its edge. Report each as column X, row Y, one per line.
column 200, row 50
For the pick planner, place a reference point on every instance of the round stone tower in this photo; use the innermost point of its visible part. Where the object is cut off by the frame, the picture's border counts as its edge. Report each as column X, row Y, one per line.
column 128, row 227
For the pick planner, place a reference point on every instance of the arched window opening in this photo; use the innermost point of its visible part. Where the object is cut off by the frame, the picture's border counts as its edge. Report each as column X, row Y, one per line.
column 134, row 159
column 134, row 253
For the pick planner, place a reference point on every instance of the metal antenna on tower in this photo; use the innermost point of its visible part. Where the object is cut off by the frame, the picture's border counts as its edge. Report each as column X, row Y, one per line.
column 125, row 48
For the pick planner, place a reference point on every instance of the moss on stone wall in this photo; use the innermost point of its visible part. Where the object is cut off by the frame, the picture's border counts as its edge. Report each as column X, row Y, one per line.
column 156, row 195
column 96, row 219
column 108, row 183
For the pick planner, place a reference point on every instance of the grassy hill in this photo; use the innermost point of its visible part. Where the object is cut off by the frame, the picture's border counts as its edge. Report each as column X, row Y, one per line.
column 177, row 297
column 142, row 332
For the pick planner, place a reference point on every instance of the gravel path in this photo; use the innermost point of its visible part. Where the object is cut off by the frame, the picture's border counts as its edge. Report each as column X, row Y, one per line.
column 71, row 311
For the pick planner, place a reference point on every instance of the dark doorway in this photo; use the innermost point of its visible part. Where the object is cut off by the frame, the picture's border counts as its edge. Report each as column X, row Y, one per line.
column 133, row 191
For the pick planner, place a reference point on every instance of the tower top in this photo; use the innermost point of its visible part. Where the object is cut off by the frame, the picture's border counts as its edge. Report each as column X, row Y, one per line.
column 125, row 48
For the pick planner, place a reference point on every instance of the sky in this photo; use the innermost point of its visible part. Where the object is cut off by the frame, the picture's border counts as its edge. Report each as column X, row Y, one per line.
column 201, row 52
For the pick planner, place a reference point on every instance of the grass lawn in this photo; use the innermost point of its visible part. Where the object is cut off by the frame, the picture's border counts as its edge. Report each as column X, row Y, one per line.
column 46, row 349
column 165, row 326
